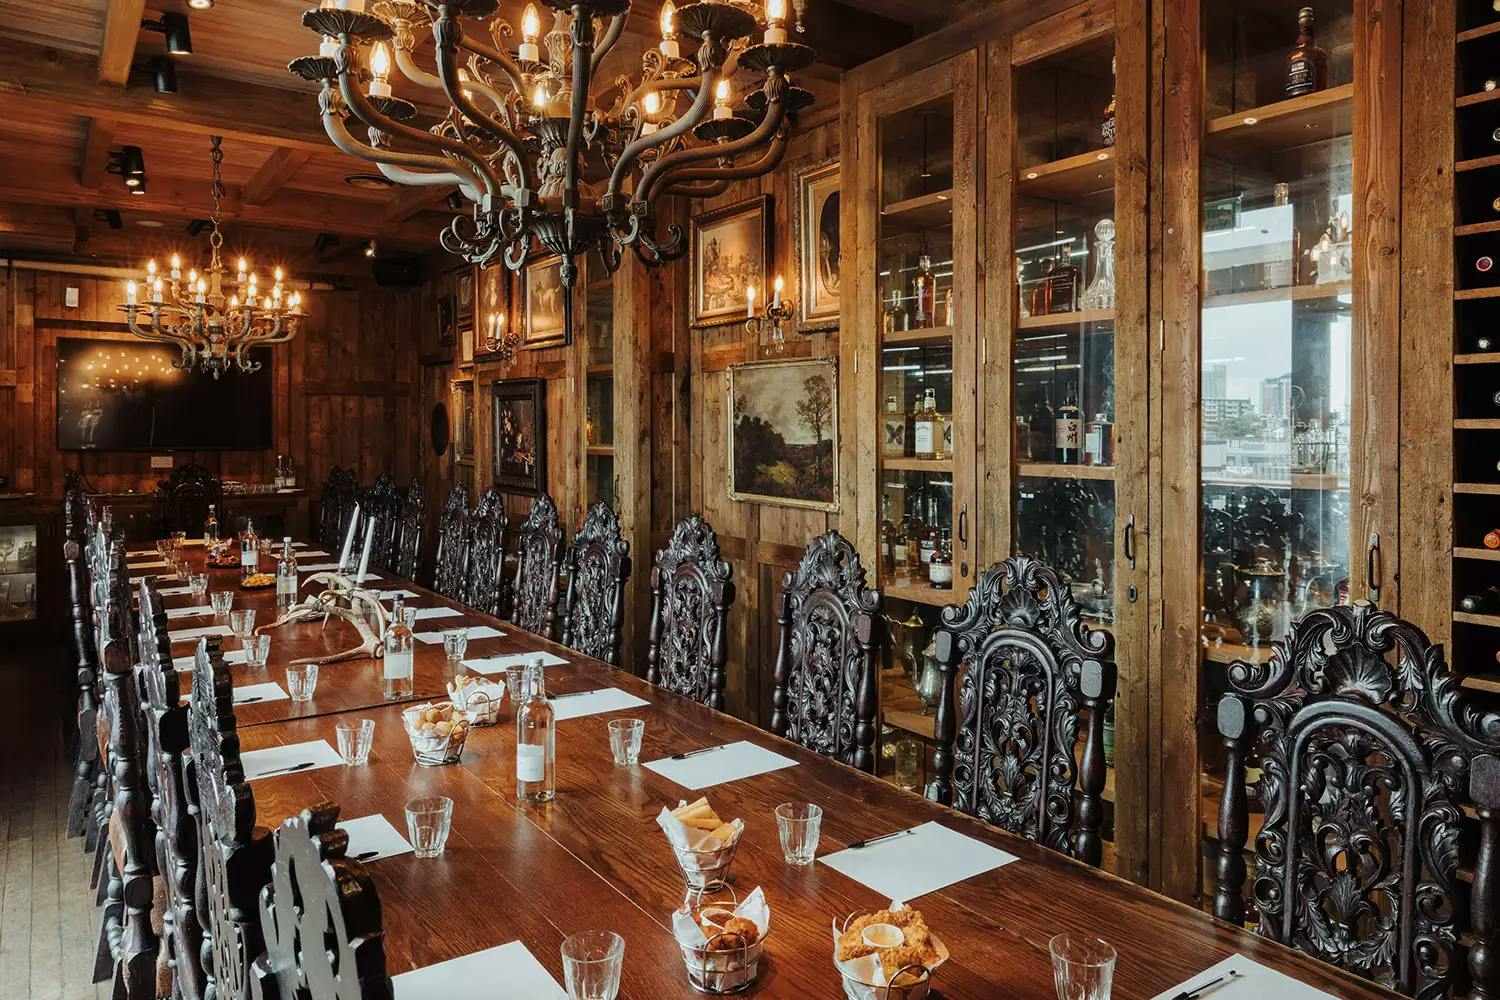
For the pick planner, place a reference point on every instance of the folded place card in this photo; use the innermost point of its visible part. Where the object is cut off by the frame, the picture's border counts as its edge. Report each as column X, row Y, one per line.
column 190, row 612
column 1252, row 981
column 509, row 971
column 184, row 664
column 373, row 838
column 717, row 765
column 189, row 634
column 499, row 664
column 477, row 632
column 292, row 759
column 425, row 613
column 924, row 860
column 575, row 706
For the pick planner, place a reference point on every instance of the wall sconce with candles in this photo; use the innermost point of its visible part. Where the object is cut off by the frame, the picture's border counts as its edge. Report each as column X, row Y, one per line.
column 778, row 312
column 499, row 342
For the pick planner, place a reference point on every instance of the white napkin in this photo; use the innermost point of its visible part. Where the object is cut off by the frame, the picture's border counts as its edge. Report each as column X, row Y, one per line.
column 498, row 664
column 576, row 706
column 690, row 934
column 477, row 632
column 261, row 763
column 191, row 612
column 331, row 567
column 184, row 664
column 148, row 565
column 140, row 552
column 189, row 634
column 374, row 833
column 730, row 762
column 425, row 613
column 509, row 972
column 690, row 838
column 1254, row 982
column 311, row 552
column 924, row 861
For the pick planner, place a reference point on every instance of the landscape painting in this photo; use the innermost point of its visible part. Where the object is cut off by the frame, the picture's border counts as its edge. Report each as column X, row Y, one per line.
column 783, row 433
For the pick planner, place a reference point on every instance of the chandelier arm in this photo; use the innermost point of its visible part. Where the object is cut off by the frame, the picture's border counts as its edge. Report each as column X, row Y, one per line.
column 407, row 64
column 448, row 33
column 392, row 160
column 707, row 189
column 583, row 52
column 498, row 57
column 731, row 172
column 632, row 152
column 684, row 83
column 611, row 36
column 422, row 178
column 775, row 116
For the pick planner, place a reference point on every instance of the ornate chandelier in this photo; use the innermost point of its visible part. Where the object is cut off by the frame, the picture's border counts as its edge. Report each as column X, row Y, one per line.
column 549, row 164
column 212, row 319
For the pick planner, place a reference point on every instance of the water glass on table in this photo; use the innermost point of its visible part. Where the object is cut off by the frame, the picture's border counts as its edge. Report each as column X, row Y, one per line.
column 1083, row 968
column 800, row 824
column 301, row 681
column 515, row 685
column 355, row 738
column 181, row 569
column 242, row 622
column 222, row 601
column 257, row 649
column 427, row 823
column 625, row 741
column 198, row 585
column 455, row 645
column 592, row 961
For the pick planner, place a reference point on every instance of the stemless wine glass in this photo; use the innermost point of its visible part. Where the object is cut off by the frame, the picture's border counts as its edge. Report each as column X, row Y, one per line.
column 799, row 824
column 354, row 739
column 257, row 648
column 427, row 823
column 625, row 740
column 592, row 961
column 1083, row 968
column 198, row 585
column 301, row 681
column 242, row 622
column 222, row 601
column 455, row 644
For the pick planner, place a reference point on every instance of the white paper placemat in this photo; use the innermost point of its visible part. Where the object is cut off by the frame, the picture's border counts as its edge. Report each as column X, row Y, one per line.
column 140, row 552
column 928, row 859
column 1254, row 982
column 154, row 564
column 576, row 706
column 299, row 545
column 312, row 552
column 328, row 567
column 391, row 595
column 425, row 613
column 261, row 763
column 374, row 838
column 477, row 632
column 499, row 664
column 509, row 972
column 184, row 664
column 174, row 591
column 253, row 693
column 730, row 762
column 138, row 577
column 189, row 634
column 190, row 612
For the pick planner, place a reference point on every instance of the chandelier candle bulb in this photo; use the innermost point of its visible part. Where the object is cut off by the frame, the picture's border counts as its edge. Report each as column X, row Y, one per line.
column 380, row 84
column 776, row 292
column 721, row 102
column 531, row 26
column 669, row 46
column 176, row 267
column 130, row 293
column 156, row 292
column 775, row 22
column 750, row 302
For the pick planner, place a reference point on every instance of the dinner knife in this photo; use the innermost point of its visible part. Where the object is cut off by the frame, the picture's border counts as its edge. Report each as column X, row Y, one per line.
column 890, row 836
column 287, row 770
column 694, row 753
column 1194, row 992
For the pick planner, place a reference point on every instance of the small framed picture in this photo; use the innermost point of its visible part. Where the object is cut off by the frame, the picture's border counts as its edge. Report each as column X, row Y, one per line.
column 544, row 306
column 815, row 234
column 463, row 421
column 492, row 307
column 519, row 416
column 731, row 251
column 465, row 296
column 783, row 433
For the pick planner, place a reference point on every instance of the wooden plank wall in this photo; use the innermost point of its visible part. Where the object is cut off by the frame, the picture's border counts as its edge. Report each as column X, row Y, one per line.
column 344, row 387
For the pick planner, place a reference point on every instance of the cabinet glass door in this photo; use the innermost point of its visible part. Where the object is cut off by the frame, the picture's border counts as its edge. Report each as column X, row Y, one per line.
column 599, row 383
column 18, row 580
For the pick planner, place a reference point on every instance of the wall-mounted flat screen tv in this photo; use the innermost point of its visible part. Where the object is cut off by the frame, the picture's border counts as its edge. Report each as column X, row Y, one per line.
column 125, row 396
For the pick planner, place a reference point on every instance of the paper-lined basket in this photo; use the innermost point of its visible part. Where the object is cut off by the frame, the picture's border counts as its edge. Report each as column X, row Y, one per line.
column 711, row 966
column 865, row 978
column 704, row 856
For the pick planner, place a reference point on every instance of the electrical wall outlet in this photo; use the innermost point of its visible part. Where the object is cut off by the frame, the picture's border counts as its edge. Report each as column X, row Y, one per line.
column 161, row 461
column 70, row 298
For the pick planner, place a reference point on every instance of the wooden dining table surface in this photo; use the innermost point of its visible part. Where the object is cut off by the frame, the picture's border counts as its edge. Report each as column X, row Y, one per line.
column 595, row 858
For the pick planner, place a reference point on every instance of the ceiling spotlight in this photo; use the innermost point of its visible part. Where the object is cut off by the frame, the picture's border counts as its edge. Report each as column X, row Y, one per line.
column 201, row 4
column 130, row 164
column 164, row 72
column 178, row 35
column 368, row 182
column 150, row 223
column 371, row 250
column 196, row 227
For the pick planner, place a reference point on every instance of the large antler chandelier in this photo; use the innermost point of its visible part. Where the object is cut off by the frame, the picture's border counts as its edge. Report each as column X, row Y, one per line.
column 213, row 319
column 549, row 165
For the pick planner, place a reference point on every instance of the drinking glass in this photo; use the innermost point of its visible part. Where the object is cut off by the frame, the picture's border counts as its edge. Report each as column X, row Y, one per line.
column 354, row 741
column 591, row 965
column 1083, row 968
column 301, row 681
column 799, row 824
column 179, row 539
column 198, row 585
column 181, row 569
column 427, row 822
column 242, row 622
column 455, row 644
column 625, row 741
column 222, row 601
column 515, row 684
column 257, row 648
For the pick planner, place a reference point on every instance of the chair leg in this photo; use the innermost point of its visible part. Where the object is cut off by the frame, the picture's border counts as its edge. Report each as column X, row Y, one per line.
column 83, row 793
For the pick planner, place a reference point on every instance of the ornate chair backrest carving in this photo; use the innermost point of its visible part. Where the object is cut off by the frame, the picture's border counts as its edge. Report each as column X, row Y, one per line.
column 86, row 666
column 538, row 560
column 409, row 546
column 1024, row 664
column 690, row 595
column 382, row 503
column 234, row 853
column 453, row 546
column 1368, row 750
column 176, row 833
column 598, row 566
column 320, row 917
column 484, row 582
column 825, row 689
column 337, row 506
column 184, row 499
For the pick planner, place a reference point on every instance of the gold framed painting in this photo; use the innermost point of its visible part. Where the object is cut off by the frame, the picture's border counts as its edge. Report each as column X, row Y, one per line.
column 545, row 326
column 783, row 433
column 492, row 301
column 731, row 250
column 815, row 236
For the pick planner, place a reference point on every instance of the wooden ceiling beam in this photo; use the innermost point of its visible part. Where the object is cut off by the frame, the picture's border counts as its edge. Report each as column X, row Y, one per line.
column 96, row 146
column 415, row 200
column 279, row 168
column 122, row 30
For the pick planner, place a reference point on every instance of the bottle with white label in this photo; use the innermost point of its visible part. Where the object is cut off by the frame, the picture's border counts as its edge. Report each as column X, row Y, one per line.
column 210, row 529
column 249, row 551
column 536, row 742
column 400, row 650
column 286, row 575
column 927, row 428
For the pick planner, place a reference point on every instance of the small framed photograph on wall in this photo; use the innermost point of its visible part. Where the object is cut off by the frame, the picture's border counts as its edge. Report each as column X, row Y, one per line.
column 815, row 234
column 519, row 435
column 783, row 433
column 731, row 250
column 544, row 325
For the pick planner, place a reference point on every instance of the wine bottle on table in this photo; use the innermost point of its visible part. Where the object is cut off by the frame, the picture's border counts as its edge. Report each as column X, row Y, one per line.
column 400, row 651
column 210, row 528
column 536, row 742
column 286, row 575
column 249, row 551
column 1486, row 601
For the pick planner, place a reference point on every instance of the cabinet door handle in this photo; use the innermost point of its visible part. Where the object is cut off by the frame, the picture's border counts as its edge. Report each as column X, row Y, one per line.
column 963, row 525
column 1130, row 540
column 1373, row 566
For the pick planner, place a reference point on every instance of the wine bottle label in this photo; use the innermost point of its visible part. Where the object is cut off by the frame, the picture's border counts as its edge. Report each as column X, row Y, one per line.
column 531, row 762
column 940, row 573
column 900, row 555
column 1299, row 76
column 928, row 549
column 1093, row 443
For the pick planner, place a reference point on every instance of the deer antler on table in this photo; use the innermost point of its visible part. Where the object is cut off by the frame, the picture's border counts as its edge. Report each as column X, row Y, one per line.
column 345, row 600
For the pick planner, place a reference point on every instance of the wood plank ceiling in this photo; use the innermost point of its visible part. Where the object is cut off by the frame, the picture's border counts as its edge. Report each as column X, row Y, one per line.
column 77, row 85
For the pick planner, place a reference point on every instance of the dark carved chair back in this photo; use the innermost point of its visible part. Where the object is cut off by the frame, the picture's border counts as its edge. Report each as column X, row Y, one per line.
column 598, row 566
column 234, row 853
column 337, row 508
column 484, row 582
column 86, row 665
column 185, row 497
column 382, row 504
column 320, row 917
column 691, row 594
column 409, row 545
column 176, row 833
column 453, row 546
column 1368, row 750
column 1024, row 664
column 825, row 690
column 539, row 551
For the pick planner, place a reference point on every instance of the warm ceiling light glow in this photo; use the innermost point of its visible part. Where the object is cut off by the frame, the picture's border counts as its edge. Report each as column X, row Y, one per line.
column 722, row 93
column 651, row 102
column 668, row 19
column 201, row 4
column 531, row 23
column 380, row 61
column 775, row 10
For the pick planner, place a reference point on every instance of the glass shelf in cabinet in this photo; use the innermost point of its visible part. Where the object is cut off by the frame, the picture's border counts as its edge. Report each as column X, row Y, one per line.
column 1282, row 125
column 1076, row 178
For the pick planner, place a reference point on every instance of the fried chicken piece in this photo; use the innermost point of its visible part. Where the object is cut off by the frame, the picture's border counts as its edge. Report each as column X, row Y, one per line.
column 740, row 927
column 893, row 960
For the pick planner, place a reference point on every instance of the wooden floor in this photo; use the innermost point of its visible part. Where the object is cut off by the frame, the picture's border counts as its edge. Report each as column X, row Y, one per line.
column 48, row 921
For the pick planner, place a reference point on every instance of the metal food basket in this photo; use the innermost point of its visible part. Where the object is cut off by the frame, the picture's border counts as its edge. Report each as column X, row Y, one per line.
column 706, row 871
column 720, row 971
column 434, row 751
column 915, row 981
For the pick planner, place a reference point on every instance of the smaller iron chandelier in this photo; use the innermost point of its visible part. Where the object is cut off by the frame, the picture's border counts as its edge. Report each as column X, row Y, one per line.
column 212, row 318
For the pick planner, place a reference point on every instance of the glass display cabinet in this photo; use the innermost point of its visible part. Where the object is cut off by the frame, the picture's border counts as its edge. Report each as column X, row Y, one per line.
column 18, row 573
column 599, row 385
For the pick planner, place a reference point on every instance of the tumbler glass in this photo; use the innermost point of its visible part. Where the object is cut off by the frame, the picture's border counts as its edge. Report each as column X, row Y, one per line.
column 242, row 622
column 198, row 585
column 222, row 601
column 301, row 681
column 625, row 740
column 427, row 823
column 1083, row 968
column 257, row 648
column 455, row 644
column 592, row 961
column 354, row 741
column 799, row 824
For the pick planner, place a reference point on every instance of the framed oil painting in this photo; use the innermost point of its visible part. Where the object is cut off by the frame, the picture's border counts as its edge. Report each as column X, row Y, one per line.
column 815, row 232
column 783, row 433
column 463, row 421
column 465, row 295
column 731, row 251
column 544, row 306
column 447, row 317
column 519, row 435
column 491, row 299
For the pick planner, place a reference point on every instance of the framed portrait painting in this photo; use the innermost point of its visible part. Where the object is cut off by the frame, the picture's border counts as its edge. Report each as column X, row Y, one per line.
column 731, row 250
column 783, row 433
column 815, row 231
column 465, row 296
column 544, row 325
column 463, row 421
column 519, row 435
column 447, row 316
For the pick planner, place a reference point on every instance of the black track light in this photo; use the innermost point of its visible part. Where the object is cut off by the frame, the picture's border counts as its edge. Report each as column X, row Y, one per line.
column 164, row 72
column 179, row 36
column 130, row 164
column 196, row 227
column 112, row 218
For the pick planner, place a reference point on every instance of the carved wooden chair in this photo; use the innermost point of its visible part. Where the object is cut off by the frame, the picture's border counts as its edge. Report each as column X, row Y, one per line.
column 484, row 583
column 234, row 853
column 86, row 666
column 381, row 503
column 184, row 498
column 409, row 547
column 320, row 917
column 1368, row 752
column 691, row 594
column 539, row 551
column 1023, row 665
column 598, row 566
column 453, row 546
column 826, row 688
column 114, row 628
column 336, row 506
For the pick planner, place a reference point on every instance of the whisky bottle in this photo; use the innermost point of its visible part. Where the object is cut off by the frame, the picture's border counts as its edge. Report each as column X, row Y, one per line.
column 536, row 742
column 1099, row 442
column 1307, row 63
column 1069, row 426
column 940, row 566
column 1486, row 601
column 1064, row 281
column 898, row 544
column 1042, row 440
column 930, row 536
column 924, row 291
column 915, row 532
column 887, row 536
column 926, row 427
column 1107, row 126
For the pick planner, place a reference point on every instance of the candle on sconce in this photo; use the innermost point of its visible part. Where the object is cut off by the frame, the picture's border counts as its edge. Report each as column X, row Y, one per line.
column 150, row 271
column 750, row 302
column 349, row 539
column 328, row 47
column 531, row 27
column 775, row 22
column 776, row 292
column 364, row 559
column 244, row 266
column 721, row 102
column 193, row 278
column 380, row 73
column 130, row 293
column 176, row 267
column 650, row 108
column 202, row 291
column 156, row 292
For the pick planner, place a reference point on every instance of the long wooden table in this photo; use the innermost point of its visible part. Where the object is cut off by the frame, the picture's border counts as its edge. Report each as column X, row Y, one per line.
column 595, row 857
